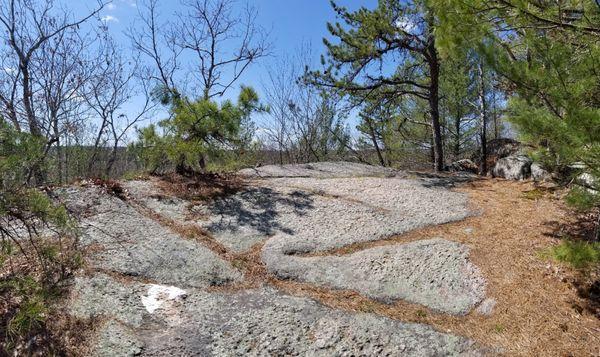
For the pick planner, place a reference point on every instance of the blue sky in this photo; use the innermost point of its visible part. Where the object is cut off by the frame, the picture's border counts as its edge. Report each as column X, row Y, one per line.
column 291, row 23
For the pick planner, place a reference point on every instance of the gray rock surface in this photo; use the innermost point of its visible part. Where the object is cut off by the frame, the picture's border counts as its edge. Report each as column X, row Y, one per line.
column 138, row 264
column 249, row 217
column 261, row 322
column 464, row 165
column 538, row 173
column 114, row 339
column 319, row 170
column 301, row 215
column 340, row 216
column 123, row 240
column 149, row 194
column 308, row 215
column 103, row 296
column 435, row 273
column 587, row 180
column 513, row 167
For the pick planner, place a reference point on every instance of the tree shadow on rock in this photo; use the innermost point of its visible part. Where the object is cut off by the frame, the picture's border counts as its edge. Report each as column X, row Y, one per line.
column 431, row 180
column 260, row 209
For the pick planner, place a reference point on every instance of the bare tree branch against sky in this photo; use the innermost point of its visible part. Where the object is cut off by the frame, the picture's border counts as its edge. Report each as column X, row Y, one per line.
column 288, row 24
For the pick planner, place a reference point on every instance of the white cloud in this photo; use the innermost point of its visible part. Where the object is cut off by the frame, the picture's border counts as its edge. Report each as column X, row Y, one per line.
column 111, row 6
column 109, row 18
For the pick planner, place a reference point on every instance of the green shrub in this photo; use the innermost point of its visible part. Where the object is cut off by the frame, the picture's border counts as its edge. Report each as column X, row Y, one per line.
column 197, row 132
column 34, row 266
column 134, row 175
column 578, row 254
column 582, row 199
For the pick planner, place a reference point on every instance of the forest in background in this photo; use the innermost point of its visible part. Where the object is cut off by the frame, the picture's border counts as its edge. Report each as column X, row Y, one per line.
column 67, row 82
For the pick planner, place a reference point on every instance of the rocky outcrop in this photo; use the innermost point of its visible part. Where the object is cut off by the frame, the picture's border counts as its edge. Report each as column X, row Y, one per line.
column 538, row 173
column 504, row 147
column 124, row 241
column 516, row 167
column 464, row 165
column 434, row 272
column 154, row 290
column 319, row 170
column 587, row 181
column 498, row 149
column 258, row 322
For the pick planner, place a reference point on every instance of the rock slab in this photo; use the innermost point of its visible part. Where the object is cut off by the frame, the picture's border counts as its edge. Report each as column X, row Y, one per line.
column 513, row 167
column 319, row 170
column 257, row 322
column 435, row 273
column 122, row 240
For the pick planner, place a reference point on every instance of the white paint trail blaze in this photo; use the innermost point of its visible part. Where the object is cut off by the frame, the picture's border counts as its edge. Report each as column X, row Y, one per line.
column 159, row 294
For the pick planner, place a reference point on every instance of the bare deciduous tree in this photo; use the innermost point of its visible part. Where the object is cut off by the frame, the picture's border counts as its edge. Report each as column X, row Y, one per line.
column 114, row 83
column 27, row 27
column 208, row 29
column 61, row 68
column 150, row 39
column 224, row 44
column 306, row 123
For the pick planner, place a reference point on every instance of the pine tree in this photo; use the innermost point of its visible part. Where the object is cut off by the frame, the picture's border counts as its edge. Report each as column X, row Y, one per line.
column 549, row 55
column 390, row 49
column 197, row 128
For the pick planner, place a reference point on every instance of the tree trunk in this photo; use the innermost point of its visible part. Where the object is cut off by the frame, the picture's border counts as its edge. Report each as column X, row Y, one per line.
column 35, row 130
column 59, row 161
column 495, row 116
column 59, row 149
column 374, row 140
column 434, row 69
column 280, row 154
column 483, row 116
column 457, row 142
column 96, row 148
column 111, row 159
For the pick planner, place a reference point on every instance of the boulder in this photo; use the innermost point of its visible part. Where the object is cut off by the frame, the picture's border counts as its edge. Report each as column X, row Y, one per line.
column 517, row 167
column 504, row 147
column 587, row 181
column 464, row 165
column 539, row 174
column 498, row 149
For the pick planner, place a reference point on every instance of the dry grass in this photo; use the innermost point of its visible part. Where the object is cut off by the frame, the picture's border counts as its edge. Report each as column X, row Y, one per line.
column 201, row 187
column 539, row 310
